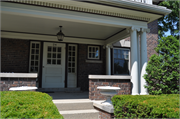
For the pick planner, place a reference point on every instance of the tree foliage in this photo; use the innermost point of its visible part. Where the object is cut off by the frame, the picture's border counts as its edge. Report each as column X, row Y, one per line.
column 169, row 22
column 163, row 70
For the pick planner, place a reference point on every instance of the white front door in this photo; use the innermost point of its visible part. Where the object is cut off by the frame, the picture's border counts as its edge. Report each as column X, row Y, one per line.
column 53, row 65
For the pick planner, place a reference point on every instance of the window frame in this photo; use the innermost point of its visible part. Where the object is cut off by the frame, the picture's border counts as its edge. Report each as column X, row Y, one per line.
column 128, row 59
column 31, row 42
column 99, row 53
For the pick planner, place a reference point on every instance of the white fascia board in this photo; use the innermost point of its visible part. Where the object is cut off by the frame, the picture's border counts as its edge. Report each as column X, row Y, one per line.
column 136, row 5
column 50, row 38
column 57, row 14
column 117, row 37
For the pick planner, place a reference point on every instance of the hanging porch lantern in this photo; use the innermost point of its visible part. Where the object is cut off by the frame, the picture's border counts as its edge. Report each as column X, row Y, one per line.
column 60, row 35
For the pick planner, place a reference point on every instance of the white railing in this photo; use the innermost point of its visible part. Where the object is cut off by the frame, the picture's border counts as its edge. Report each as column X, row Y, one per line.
column 143, row 1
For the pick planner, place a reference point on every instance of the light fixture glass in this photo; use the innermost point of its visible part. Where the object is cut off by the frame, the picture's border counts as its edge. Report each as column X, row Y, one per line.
column 60, row 35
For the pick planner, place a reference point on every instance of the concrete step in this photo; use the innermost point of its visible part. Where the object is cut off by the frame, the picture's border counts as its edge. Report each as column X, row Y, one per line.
column 80, row 114
column 59, row 89
column 73, row 104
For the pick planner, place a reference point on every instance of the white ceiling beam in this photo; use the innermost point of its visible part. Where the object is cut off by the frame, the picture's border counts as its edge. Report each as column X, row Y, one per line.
column 50, row 38
column 117, row 37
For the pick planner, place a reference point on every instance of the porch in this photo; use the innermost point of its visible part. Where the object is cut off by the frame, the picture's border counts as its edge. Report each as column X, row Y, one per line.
column 29, row 30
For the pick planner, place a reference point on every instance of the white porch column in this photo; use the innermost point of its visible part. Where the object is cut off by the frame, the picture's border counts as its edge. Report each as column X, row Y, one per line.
column 143, row 54
column 134, row 60
column 108, row 60
column 139, row 63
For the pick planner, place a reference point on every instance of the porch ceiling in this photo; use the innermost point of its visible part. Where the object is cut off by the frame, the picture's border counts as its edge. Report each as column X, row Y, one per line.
column 35, row 25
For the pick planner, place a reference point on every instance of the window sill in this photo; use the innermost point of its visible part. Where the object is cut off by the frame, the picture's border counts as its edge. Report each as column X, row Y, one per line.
column 94, row 61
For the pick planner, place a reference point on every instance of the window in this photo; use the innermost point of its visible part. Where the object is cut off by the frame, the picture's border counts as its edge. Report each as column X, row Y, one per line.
column 34, row 57
column 121, row 61
column 93, row 52
column 54, row 55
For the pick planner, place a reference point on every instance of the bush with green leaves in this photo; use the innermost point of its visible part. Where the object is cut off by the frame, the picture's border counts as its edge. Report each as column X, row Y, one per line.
column 27, row 104
column 146, row 106
column 163, row 69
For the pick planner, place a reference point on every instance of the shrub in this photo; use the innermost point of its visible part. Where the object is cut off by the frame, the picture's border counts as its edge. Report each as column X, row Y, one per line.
column 163, row 70
column 27, row 104
column 146, row 106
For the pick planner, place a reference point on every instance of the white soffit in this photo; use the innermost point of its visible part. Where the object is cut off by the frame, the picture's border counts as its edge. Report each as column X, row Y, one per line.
column 82, row 6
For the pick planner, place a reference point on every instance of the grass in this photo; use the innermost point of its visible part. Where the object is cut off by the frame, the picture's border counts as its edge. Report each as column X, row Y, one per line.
column 27, row 104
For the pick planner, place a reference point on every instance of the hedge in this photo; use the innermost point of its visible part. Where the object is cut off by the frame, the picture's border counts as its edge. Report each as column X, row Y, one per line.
column 146, row 106
column 27, row 104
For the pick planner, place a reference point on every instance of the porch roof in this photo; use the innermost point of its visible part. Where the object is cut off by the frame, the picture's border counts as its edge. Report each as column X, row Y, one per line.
column 82, row 22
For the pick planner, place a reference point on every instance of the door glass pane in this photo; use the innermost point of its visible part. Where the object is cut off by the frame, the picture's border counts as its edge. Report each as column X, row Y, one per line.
column 36, row 63
column 33, row 45
column 37, row 51
column 54, row 49
column 32, row 57
column 53, row 61
column 49, row 55
column 37, row 57
column 69, row 70
column 37, row 46
column 48, row 61
column 73, row 54
column 73, row 48
column 58, row 55
column 73, row 64
column 32, row 51
column 89, row 49
column 73, row 58
column 32, row 69
column 69, row 59
column 59, row 49
column 54, row 55
column 69, row 47
column 73, row 70
column 32, row 62
column 58, row 61
column 36, row 69
column 49, row 49
column 69, row 65
column 69, row 53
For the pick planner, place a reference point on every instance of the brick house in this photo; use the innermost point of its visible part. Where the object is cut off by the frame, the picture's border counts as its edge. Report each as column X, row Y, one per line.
column 112, row 38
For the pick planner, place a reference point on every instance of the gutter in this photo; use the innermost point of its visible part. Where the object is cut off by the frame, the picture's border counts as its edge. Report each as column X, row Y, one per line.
column 133, row 5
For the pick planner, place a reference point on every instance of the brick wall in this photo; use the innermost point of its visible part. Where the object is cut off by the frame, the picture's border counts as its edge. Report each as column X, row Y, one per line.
column 14, row 55
column 85, row 69
column 104, row 115
column 94, row 93
column 7, row 83
column 152, row 38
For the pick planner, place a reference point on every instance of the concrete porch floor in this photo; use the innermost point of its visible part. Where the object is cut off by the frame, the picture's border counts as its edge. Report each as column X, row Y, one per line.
column 69, row 95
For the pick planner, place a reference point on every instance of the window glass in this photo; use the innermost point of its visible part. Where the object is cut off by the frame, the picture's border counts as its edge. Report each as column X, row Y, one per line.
column 34, row 57
column 121, row 61
column 93, row 52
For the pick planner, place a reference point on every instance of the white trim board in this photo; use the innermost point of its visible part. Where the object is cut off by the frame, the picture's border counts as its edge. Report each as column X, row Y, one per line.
column 50, row 38
column 19, row 75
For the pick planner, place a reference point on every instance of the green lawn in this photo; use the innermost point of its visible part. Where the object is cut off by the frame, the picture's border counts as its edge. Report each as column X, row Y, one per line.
column 27, row 104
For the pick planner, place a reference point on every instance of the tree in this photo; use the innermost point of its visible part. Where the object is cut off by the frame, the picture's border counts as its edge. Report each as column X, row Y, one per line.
column 163, row 70
column 169, row 22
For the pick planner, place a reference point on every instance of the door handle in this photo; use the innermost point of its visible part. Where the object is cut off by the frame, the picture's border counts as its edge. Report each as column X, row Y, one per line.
column 42, row 66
